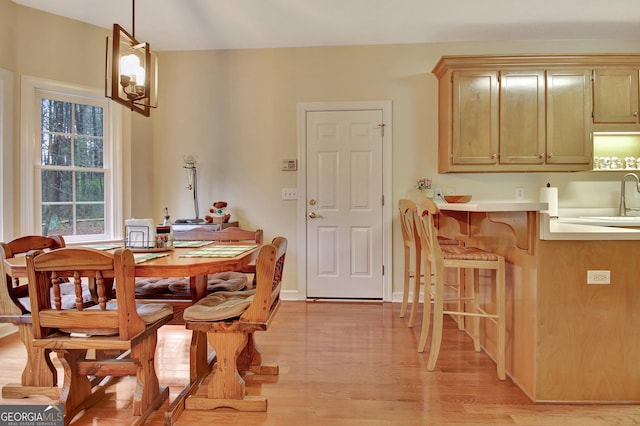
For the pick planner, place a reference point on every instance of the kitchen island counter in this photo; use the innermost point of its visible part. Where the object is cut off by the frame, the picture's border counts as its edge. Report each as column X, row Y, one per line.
column 567, row 341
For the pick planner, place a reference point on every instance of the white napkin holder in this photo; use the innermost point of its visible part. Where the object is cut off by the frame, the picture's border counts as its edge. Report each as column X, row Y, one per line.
column 139, row 233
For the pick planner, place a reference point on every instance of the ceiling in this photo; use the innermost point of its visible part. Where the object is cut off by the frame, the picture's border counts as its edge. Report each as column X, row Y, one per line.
column 241, row 24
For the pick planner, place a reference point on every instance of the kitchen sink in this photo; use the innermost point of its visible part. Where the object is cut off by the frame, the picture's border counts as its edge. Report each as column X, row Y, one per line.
column 613, row 218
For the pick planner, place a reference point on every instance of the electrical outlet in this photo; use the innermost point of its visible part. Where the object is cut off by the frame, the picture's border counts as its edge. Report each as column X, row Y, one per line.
column 289, row 193
column 598, row 277
column 519, row 193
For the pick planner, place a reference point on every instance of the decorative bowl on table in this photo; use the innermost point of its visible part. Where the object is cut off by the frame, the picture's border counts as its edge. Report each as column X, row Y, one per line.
column 457, row 198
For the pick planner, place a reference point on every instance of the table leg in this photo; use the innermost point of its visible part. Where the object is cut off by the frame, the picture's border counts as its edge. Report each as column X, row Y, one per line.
column 198, row 287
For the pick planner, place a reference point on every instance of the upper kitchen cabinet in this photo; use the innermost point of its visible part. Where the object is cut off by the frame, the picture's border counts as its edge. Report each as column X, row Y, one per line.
column 518, row 113
column 522, row 118
column 569, row 117
column 615, row 96
column 475, row 121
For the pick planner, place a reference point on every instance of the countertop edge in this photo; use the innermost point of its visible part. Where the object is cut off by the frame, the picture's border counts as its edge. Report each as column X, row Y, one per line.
column 494, row 206
column 551, row 229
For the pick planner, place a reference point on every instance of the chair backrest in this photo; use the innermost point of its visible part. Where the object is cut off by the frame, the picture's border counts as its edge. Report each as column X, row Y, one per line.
column 426, row 229
column 407, row 221
column 231, row 233
column 45, row 269
column 269, row 267
column 12, row 291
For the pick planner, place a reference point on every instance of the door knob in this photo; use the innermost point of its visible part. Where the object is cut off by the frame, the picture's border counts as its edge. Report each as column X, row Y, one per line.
column 313, row 215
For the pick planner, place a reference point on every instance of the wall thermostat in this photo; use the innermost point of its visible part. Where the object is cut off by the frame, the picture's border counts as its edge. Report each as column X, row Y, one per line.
column 289, row 165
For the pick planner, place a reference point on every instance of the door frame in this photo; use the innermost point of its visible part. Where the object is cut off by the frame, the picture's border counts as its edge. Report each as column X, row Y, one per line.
column 387, row 184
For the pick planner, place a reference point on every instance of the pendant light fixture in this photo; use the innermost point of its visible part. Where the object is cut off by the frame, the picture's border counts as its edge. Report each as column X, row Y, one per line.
column 131, row 70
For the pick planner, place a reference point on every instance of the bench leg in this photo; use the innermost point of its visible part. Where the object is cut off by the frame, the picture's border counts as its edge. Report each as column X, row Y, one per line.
column 250, row 359
column 39, row 376
column 199, row 365
column 76, row 387
column 224, row 386
column 148, row 395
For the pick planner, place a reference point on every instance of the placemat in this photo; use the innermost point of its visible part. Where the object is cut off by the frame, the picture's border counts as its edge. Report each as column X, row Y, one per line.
column 103, row 246
column 219, row 251
column 143, row 257
column 193, row 244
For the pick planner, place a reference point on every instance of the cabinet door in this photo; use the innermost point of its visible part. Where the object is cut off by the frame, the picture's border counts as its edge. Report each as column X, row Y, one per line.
column 615, row 95
column 568, row 117
column 522, row 117
column 475, row 117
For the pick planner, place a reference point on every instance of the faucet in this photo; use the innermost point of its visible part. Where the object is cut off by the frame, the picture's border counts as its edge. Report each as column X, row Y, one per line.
column 623, row 209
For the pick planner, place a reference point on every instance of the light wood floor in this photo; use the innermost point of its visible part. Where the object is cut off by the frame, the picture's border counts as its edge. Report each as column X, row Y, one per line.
column 348, row 364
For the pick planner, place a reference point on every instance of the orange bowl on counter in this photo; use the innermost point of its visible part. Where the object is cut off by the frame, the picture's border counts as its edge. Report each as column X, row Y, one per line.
column 457, row 198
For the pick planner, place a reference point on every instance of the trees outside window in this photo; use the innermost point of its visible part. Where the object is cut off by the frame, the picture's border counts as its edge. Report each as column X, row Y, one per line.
column 72, row 168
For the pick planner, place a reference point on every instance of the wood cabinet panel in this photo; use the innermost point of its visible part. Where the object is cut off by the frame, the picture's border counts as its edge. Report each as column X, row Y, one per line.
column 568, row 117
column 475, row 121
column 522, row 117
column 615, row 95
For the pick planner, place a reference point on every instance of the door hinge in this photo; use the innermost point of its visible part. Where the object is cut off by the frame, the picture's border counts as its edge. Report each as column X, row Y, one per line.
column 383, row 270
column 381, row 128
column 382, row 200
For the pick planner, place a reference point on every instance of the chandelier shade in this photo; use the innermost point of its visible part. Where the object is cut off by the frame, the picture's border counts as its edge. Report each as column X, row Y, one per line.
column 131, row 72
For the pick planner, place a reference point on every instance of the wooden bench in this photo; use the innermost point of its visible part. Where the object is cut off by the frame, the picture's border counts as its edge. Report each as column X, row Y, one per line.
column 227, row 322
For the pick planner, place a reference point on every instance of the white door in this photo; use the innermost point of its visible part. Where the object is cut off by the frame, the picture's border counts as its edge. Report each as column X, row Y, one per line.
column 344, row 204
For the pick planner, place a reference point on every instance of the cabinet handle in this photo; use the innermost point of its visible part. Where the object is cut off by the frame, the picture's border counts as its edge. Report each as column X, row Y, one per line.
column 494, row 156
column 635, row 114
column 550, row 155
column 541, row 155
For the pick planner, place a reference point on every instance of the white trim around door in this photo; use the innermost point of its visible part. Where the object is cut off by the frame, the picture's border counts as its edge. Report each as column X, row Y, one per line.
column 386, row 108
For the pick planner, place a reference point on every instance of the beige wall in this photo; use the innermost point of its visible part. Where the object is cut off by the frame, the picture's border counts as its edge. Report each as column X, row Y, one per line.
column 236, row 110
column 6, row 34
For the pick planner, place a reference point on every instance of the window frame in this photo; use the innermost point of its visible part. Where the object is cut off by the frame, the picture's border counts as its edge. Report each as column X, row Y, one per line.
column 32, row 90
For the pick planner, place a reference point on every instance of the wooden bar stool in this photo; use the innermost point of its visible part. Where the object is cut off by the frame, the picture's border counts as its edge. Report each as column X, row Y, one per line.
column 412, row 252
column 435, row 259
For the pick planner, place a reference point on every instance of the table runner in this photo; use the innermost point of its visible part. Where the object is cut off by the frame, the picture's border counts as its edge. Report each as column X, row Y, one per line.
column 193, row 244
column 219, row 251
column 103, row 246
column 143, row 257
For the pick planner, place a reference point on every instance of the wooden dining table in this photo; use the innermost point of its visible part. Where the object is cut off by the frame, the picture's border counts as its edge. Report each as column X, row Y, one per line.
column 178, row 262
column 174, row 263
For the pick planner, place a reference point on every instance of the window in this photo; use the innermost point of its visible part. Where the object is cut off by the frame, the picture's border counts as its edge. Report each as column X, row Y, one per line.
column 75, row 189
column 72, row 173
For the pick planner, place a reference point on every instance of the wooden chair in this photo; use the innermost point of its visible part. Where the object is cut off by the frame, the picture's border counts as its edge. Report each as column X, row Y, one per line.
column 412, row 254
column 117, row 325
column 229, row 321
column 435, row 259
column 39, row 376
column 228, row 234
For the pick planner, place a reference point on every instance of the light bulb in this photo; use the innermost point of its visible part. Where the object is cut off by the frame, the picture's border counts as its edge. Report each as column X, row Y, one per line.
column 129, row 65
